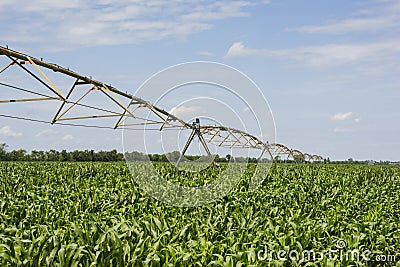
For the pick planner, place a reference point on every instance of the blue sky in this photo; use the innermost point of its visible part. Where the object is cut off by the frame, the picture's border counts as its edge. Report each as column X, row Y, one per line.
column 329, row 69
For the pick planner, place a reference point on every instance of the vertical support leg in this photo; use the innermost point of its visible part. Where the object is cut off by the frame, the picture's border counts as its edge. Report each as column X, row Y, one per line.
column 196, row 131
column 190, row 139
column 203, row 142
column 262, row 153
column 265, row 148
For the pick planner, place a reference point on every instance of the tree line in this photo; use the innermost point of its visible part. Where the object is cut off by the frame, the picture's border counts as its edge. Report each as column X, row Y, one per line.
column 174, row 156
column 54, row 155
column 114, row 155
column 105, row 156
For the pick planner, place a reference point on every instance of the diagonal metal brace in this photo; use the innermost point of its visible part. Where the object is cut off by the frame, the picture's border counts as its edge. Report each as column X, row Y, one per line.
column 196, row 131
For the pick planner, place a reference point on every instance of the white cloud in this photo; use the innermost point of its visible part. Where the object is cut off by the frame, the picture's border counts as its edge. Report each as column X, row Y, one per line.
column 383, row 16
column 342, row 116
column 101, row 22
column 378, row 54
column 187, row 112
column 246, row 109
column 217, row 11
column 6, row 131
column 326, row 55
column 46, row 132
column 40, row 5
column 357, row 120
column 67, row 137
column 238, row 49
column 352, row 25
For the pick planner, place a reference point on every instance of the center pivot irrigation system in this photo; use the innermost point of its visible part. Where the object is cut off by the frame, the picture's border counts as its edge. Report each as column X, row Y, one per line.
column 124, row 106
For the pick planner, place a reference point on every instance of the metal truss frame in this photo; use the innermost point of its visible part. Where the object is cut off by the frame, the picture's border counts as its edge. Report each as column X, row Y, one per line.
column 218, row 135
column 308, row 157
column 317, row 158
column 279, row 150
column 164, row 118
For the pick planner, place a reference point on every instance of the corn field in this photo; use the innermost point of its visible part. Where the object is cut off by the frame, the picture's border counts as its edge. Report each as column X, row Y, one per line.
column 94, row 214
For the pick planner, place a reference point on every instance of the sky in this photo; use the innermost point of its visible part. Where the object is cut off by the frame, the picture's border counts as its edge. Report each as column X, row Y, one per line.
column 328, row 69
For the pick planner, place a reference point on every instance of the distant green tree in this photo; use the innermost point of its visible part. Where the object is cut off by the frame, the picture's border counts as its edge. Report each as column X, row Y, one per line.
column 64, row 156
column 52, row 155
column 3, row 151
column 38, row 155
column 135, row 156
column 173, row 156
column 17, row 155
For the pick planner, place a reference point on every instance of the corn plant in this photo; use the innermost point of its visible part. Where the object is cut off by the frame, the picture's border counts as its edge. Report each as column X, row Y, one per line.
column 94, row 214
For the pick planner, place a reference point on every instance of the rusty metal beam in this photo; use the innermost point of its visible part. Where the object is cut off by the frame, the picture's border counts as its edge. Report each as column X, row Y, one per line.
column 29, row 99
column 6, row 67
column 89, row 117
